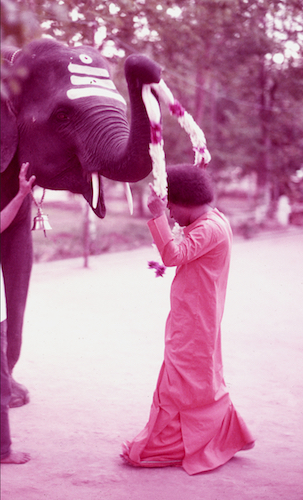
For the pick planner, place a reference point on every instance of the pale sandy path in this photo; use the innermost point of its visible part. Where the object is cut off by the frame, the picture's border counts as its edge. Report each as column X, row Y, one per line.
column 93, row 345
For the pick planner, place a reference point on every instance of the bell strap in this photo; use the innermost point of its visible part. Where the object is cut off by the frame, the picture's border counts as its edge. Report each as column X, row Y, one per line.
column 41, row 221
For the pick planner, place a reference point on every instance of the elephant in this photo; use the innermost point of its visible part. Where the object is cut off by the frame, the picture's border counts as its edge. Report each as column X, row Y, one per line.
column 62, row 113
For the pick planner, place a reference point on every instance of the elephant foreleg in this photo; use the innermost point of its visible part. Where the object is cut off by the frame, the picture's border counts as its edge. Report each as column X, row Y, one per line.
column 16, row 260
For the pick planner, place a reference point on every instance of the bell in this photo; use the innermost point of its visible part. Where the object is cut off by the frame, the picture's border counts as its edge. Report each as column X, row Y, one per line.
column 41, row 222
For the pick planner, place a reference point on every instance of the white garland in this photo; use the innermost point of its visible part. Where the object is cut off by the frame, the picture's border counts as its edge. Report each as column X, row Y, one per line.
column 156, row 147
column 197, row 138
column 157, row 155
column 186, row 121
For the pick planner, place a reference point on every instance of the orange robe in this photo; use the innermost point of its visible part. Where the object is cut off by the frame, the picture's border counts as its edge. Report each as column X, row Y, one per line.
column 192, row 420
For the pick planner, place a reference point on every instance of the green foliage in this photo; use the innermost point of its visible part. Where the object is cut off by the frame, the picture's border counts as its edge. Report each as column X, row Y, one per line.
column 18, row 24
column 219, row 57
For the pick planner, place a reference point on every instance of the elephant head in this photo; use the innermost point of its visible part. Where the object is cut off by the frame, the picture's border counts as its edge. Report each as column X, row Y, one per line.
column 62, row 113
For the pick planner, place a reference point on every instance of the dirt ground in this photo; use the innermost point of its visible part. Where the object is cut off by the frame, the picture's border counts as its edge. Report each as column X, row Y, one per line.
column 93, row 346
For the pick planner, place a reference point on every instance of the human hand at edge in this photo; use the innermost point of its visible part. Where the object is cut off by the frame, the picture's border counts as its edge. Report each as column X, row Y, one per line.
column 25, row 186
column 10, row 211
column 155, row 203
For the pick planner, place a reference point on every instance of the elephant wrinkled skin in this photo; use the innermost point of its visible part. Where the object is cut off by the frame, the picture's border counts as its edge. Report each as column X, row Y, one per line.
column 61, row 112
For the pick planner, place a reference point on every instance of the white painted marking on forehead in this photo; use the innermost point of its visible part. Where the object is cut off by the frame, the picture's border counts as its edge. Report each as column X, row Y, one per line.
column 92, row 80
column 94, row 91
column 87, row 70
column 85, row 59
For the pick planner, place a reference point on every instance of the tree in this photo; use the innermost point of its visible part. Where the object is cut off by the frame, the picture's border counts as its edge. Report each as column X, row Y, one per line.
column 18, row 24
column 219, row 60
column 235, row 65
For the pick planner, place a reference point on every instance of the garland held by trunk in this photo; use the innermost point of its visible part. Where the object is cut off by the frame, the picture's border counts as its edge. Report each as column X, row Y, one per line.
column 151, row 95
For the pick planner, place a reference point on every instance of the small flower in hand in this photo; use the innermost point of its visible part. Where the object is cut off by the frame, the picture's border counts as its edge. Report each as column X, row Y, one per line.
column 159, row 268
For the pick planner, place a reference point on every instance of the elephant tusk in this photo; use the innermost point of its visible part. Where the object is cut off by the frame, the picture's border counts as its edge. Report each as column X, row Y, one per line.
column 96, row 187
column 129, row 198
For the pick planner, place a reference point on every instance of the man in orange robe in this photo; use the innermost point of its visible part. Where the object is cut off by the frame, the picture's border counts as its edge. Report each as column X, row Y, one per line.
column 192, row 422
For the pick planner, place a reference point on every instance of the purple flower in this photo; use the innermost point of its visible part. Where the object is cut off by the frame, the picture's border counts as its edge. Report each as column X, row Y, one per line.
column 176, row 109
column 159, row 268
column 156, row 133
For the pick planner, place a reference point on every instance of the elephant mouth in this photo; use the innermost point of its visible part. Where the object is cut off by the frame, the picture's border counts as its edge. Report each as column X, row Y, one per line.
column 72, row 177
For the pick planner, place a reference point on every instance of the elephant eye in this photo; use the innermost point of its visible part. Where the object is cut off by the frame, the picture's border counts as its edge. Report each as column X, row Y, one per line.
column 62, row 115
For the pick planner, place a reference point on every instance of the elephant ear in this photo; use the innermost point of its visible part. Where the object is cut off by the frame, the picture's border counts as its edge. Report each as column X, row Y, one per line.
column 9, row 135
column 9, row 130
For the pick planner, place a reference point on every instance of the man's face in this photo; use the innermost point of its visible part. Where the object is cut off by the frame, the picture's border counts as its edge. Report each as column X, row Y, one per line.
column 179, row 213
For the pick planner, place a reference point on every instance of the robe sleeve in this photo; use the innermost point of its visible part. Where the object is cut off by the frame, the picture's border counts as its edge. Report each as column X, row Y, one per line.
column 200, row 238
column 160, row 231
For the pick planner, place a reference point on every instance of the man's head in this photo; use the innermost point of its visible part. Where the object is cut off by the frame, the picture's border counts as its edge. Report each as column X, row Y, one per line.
column 189, row 186
column 189, row 192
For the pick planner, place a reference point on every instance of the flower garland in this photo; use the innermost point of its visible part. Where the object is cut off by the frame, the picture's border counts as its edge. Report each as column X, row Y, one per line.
column 151, row 94
column 156, row 149
column 198, row 140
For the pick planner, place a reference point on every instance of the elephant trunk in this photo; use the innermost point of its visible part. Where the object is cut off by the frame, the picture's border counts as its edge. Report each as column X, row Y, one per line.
column 121, row 152
column 117, row 151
